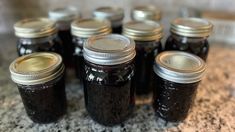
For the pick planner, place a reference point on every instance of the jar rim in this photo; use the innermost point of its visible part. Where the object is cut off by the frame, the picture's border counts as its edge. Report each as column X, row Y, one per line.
column 110, row 13
column 146, row 12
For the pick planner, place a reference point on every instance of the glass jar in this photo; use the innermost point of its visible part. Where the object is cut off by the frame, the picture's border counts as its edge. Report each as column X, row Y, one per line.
column 40, row 80
column 147, row 36
column 81, row 31
column 37, row 35
column 176, row 80
column 114, row 15
column 190, row 35
column 64, row 17
column 108, row 81
column 142, row 13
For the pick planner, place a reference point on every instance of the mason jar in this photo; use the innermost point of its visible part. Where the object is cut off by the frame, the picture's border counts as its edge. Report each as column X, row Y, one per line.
column 40, row 80
column 108, row 79
column 114, row 15
column 177, row 76
column 81, row 31
column 37, row 35
column 190, row 35
column 147, row 36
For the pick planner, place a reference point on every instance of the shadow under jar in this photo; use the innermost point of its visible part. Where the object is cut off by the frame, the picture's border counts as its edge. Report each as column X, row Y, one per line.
column 37, row 35
column 108, row 81
column 176, row 80
column 81, row 31
column 40, row 80
column 63, row 18
column 114, row 15
column 147, row 35
column 190, row 35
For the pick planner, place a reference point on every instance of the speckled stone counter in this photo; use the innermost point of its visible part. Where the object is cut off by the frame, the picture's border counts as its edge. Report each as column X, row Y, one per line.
column 214, row 108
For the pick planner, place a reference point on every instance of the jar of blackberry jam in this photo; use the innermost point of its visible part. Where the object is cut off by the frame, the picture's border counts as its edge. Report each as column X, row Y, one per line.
column 142, row 13
column 37, row 35
column 63, row 18
column 40, row 80
column 81, row 31
column 114, row 15
column 147, row 36
column 176, row 80
column 108, row 81
column 190, row 35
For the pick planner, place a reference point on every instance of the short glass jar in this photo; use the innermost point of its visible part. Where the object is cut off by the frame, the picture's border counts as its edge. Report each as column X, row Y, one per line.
column 114, row 15
column 143, row 13
column 40, row 80
column 81, row 31
column 147, row 36
column 108, row 81
column 37, row 35
column 176, row 80
column 190, row 35
column 63, row 18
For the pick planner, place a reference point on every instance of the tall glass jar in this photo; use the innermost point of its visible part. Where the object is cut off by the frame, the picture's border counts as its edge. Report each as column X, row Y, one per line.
column 108, row 80
column 63, row 18
column 81, row 31
column 147, row 36
column 114, row 15
column 37, row 35
column 189, row 35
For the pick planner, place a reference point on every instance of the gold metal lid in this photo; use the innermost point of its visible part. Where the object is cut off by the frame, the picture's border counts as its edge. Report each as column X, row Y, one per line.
column 110, row 13
column 191, row 27
column 143, row 30
column 35, row 28
column 36, row 68
column 64, row 14
column 142, row 13
column 89, row 27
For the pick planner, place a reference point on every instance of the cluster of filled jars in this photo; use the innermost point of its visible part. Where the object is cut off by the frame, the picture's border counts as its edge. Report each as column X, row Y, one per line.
column 113, row 68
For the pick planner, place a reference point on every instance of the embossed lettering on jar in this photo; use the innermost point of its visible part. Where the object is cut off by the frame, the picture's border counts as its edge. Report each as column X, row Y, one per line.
column 108, row 83
column 40, row 80
column 190, row 35
column 176, row 80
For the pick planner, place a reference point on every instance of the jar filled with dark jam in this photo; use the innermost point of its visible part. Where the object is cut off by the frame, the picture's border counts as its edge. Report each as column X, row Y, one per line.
column 147, row 35
column 37, row 35
column 190, row 35
column 108, row 80
column 63, row 18
column 40, row 80
column 81, row 31
column 114, row 15
column 176, row 80
column 147, row 12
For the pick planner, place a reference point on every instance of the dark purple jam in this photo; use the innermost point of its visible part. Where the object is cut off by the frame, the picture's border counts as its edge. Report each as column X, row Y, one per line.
column 44, row 103
column 171, row 100
column 197, row 46
column 145, row 54
column 117, row 29
column 109, row 92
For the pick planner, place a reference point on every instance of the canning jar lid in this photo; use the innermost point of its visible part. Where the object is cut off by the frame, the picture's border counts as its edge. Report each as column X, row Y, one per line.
column 35, row 28
column 110, row 49
column 143, row 30
column 110, row 13
column 191, row 27
column 179, row 67
column 36, row 68
column 64, row 14
column 89, row 27
column 142, row 13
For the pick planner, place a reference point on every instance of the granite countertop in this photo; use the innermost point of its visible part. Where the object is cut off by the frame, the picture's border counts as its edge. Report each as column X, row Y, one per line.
column 214, row 108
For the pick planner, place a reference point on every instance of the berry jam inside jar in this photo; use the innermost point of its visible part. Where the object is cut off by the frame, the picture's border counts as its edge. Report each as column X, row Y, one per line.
column 190, row 35
column 81, row 31
column 114, row 15
column 176, row 80
column 63, row 18
column 40, row 80
column 108, row 81
column 37, row 35
column 147, row 35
